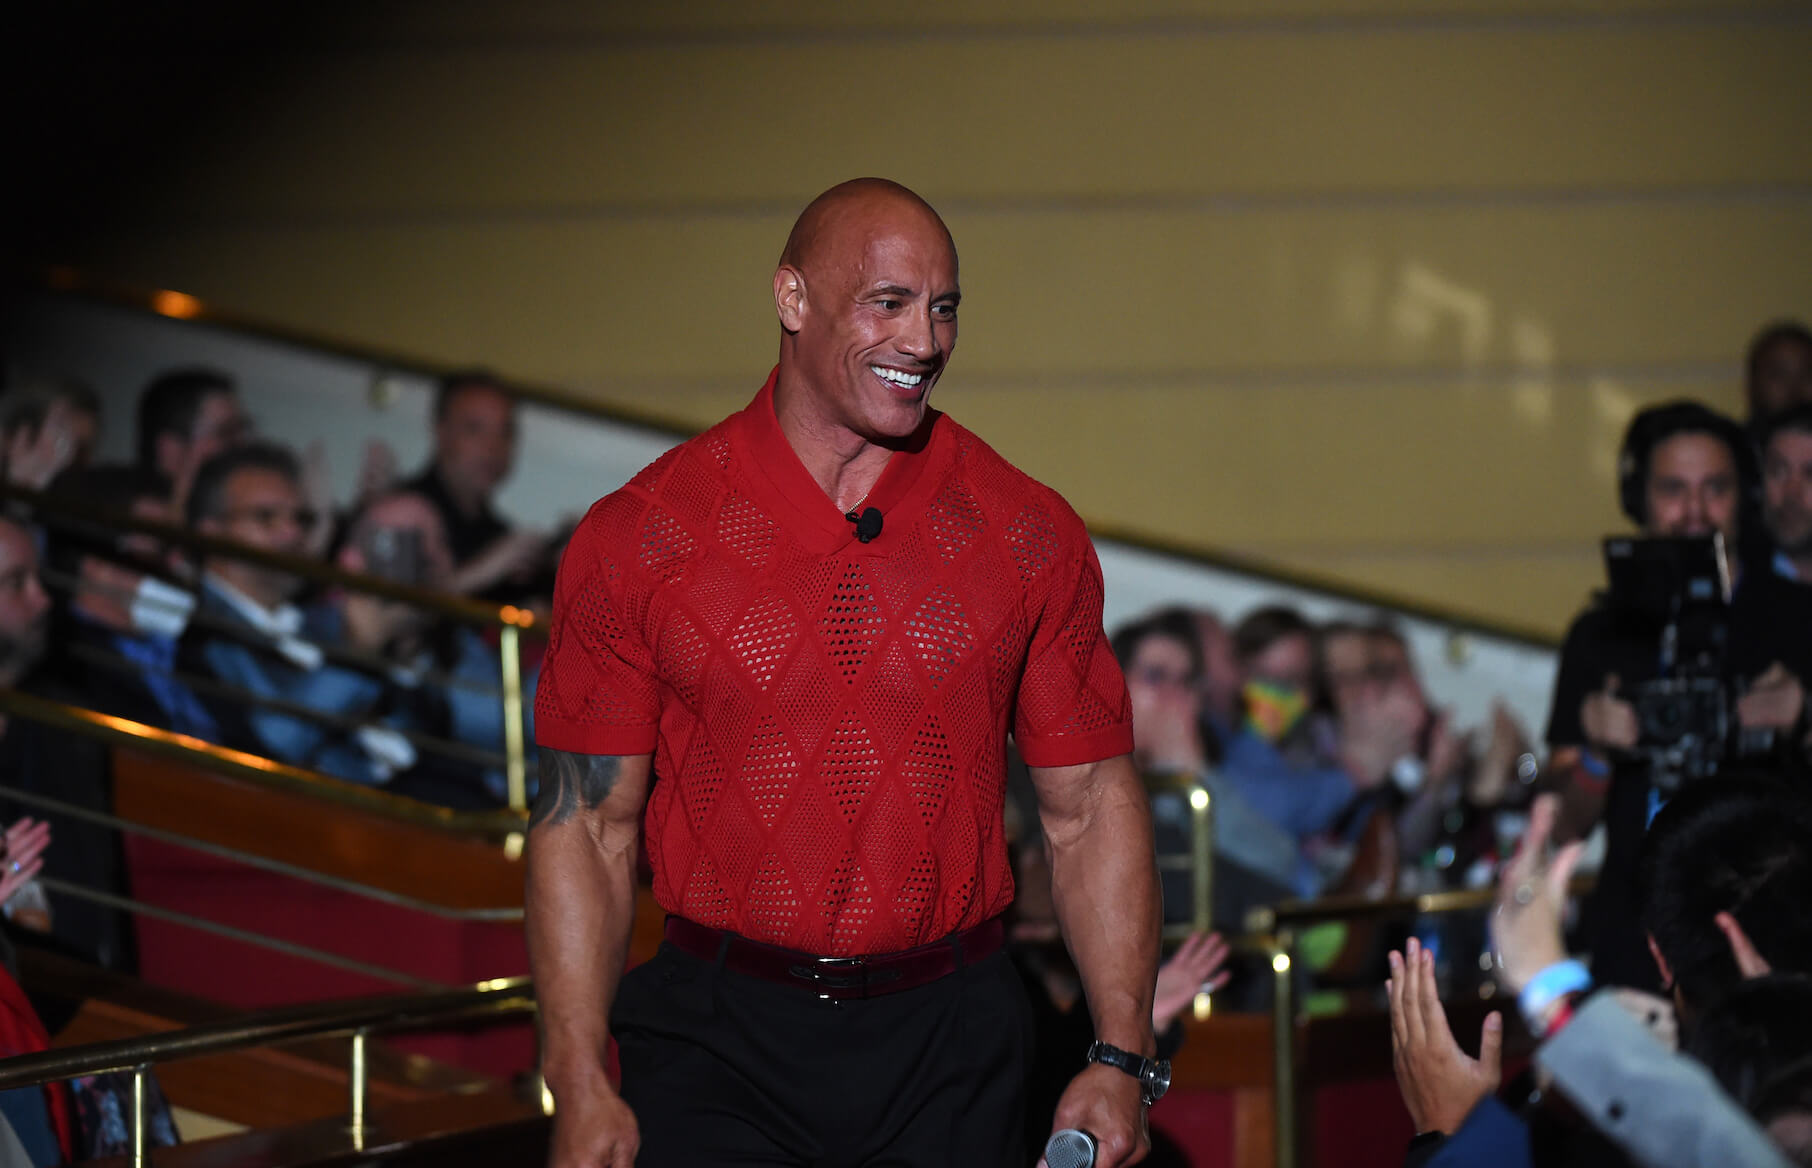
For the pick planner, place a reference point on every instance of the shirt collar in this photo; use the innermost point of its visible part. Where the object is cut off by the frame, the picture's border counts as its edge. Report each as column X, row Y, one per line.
column 281, row 624
column 777, row 472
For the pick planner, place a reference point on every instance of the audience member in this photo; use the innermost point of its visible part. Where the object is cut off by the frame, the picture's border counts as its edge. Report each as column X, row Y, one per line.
column 46, row 426
column 1158, row 655
column 1786, row 441
column 123, row 615
column 186, row 417
column 1660, row 1110
column 1685, row 472
column 39, row 760
column 248, row 635
column 1739, row 845
column 474, row 452
column 1779, row 370
column 1272, row 758
column 1756, row 1032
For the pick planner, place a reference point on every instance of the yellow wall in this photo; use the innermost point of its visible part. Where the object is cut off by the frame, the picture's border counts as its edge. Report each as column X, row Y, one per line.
column 1366, row 289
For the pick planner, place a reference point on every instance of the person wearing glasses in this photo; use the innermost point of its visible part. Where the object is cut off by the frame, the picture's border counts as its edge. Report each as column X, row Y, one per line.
column 249, row 636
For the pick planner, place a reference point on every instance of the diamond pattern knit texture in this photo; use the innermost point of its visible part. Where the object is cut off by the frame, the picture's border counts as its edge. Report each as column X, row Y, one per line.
column 829, row 718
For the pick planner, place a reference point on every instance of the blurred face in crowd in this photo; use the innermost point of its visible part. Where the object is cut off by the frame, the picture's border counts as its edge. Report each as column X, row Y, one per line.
column 867, row 296
column 262, row 508
column 1782, row 377
column 1220, row 665
column 1346, row 663
column 1787, row 492
column 1287, row 663
column 1692, row 487
column 475, row 442
column 1161, row 687
column 429, row 560
column 24, row 606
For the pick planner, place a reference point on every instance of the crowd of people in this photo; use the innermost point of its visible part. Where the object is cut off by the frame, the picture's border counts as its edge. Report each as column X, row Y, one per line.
column 1331, row 768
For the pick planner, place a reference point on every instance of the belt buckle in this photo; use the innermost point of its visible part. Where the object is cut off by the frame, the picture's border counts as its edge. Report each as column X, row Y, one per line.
column 834, row 973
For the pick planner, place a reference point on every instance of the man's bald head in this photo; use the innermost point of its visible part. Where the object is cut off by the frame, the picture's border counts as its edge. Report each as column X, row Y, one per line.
column 841, row 221
column 866, row 293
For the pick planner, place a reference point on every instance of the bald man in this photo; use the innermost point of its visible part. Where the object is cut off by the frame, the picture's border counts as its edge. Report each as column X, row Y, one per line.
column 817, row 623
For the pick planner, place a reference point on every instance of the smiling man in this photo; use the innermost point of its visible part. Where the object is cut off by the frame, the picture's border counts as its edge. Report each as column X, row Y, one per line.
column 817, row 623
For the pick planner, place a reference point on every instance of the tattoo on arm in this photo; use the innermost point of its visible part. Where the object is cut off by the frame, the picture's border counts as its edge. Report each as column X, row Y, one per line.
column 567, row 780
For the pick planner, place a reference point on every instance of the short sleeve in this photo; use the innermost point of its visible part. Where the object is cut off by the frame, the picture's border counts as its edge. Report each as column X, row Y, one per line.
column 1581, row 672
column 598, row 692
column 1073, row 707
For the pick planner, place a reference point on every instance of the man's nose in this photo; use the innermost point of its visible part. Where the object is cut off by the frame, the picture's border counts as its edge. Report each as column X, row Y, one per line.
column 919, row 338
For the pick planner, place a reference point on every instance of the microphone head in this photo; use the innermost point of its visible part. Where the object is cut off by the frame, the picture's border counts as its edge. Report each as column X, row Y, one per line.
column 1070, row 1148
column 868, row 524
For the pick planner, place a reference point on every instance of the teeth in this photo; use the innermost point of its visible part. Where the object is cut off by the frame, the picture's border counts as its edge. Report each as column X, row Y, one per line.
column 894, row 375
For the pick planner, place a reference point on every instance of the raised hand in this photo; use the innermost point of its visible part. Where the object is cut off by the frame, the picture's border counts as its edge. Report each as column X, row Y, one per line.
column 1440, row 1085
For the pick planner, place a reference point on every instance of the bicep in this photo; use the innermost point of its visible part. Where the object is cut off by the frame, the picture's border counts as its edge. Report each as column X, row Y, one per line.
column 604, row 789
column 1070, row 796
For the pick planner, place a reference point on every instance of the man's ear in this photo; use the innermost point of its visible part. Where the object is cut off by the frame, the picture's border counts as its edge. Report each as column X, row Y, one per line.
column 1654, row 950
column 1748, row 962
column 789, row 297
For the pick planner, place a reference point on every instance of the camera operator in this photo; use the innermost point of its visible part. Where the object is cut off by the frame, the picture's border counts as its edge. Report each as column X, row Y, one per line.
column 1684, row 471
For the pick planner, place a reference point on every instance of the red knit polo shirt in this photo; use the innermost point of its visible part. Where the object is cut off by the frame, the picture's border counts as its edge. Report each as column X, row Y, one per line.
column 829, row 718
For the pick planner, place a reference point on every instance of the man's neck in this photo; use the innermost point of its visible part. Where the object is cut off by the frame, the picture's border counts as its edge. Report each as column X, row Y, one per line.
column 248, row 589
column 468, row 503
column 844, row 464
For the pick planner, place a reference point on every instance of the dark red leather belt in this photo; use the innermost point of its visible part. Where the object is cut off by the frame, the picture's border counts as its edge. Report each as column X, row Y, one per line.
column 838, row 978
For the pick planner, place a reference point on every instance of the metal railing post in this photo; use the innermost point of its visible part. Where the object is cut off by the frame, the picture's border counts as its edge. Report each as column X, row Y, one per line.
column 515, row 763
column 140, row 1140
column 1201, row 842
column 357, row 1079
column 1283, row 1054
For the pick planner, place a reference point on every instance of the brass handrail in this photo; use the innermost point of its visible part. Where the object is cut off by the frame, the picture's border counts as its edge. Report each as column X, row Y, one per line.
column 510, row 620
column 319, row 571
column 357, row 1017
column 269, row 772
column 33, row 799
column 1342, row 908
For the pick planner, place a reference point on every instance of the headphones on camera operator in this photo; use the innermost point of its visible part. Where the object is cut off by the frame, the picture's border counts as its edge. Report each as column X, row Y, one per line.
column 1687, row 715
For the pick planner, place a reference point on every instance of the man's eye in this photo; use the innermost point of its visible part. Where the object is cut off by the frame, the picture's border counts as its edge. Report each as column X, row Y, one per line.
column 945, row 311
column 887, row 305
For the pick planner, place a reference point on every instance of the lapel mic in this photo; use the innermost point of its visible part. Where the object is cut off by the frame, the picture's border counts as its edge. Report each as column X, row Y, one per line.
column 868, row 524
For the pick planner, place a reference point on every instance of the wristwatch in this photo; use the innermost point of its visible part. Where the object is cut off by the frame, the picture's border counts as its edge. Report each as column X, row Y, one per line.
column 1153, row 1074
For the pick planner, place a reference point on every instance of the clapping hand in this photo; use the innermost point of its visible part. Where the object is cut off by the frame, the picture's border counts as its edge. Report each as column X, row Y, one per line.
column 1440, row 1085
column 26, row 840
column 1196, row 967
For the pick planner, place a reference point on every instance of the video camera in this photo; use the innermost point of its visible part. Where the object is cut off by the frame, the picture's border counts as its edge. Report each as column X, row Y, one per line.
column 1680, row 588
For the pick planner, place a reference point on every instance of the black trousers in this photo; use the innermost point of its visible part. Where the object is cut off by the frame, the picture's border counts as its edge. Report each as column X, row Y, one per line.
column 724, row 1070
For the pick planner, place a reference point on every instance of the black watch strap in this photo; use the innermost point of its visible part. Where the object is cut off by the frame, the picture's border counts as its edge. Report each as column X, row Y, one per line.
column 1153, row 1074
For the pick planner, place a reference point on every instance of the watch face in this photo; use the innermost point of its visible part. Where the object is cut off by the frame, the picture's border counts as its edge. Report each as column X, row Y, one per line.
column 1158, row 1080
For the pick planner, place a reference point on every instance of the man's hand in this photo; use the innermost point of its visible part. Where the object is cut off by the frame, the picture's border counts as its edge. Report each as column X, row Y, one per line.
column 1609, row 721
column 1531, row 895
column 1194, row 968
column 593, row 1128
column 1777, row 701
column 508, row 556
column 1107, row 1103
column 1440, row 1085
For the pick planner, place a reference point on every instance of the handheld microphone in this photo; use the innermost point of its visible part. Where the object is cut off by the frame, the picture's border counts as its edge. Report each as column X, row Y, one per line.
column 868, row 524
column 1070, row 1148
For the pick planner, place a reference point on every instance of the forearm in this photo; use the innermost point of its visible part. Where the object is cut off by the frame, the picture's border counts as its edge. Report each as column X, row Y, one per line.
column 580, row 904
column 1104, row 882
column 580, row 909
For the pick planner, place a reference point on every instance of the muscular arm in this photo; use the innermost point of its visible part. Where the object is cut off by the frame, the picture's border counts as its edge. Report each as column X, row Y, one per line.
column 1097, row 828
column 580, row 905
